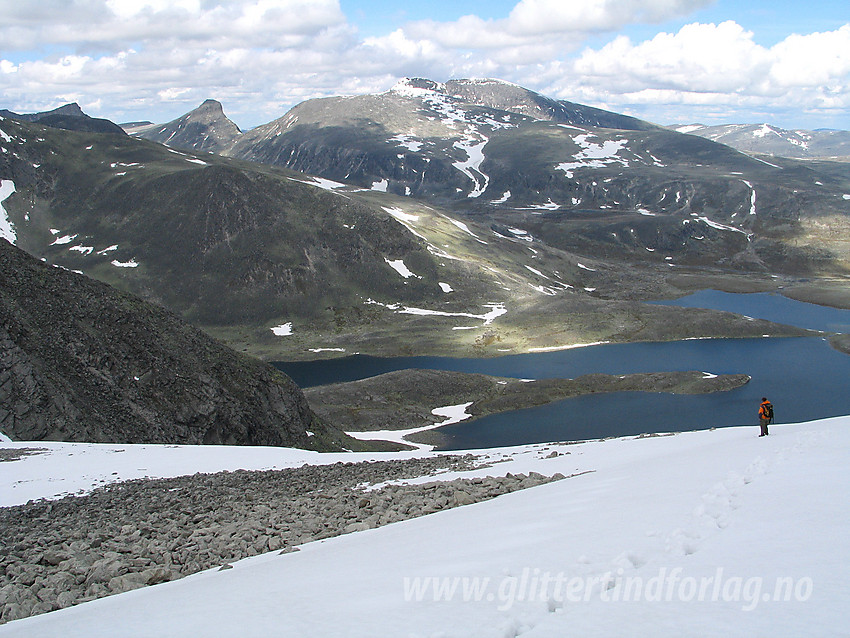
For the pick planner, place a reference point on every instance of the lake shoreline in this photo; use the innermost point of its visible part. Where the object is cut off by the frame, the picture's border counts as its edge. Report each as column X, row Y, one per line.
column 411, row 399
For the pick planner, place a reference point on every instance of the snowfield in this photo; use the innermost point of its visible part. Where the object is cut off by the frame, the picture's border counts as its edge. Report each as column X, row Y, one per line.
column 710, row 533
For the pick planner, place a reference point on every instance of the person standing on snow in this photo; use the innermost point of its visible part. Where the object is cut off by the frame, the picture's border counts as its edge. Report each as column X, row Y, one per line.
column 765, row 415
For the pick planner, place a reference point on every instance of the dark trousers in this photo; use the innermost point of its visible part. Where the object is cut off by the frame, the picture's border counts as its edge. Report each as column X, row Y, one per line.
column 764, row 423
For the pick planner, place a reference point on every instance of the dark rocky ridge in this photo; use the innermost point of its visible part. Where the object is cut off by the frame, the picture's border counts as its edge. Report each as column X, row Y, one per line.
column 69, row 117
column 80, row 361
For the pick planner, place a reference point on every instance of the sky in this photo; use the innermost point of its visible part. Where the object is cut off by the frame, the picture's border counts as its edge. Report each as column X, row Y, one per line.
column 781, row 62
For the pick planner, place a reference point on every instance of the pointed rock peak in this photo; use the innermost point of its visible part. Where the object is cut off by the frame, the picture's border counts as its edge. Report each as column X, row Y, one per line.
column 417, row 87
column 211, row 104
column 72, row 109
column 210, row 112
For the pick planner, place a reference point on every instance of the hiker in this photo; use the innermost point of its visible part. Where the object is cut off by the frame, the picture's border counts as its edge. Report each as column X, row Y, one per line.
column 765, row 415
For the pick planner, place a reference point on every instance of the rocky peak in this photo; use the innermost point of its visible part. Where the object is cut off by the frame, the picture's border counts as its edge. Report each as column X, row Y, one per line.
column 73, row 109
column 205, row 128
column 209, row 108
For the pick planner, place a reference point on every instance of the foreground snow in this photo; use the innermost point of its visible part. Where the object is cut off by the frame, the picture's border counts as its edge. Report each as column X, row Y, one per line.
column 712, row 533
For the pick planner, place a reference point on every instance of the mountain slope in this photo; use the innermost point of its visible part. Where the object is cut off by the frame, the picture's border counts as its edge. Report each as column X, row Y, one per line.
column 579, row 179
column 288, row 266
column 80, row 361
column 772, row 140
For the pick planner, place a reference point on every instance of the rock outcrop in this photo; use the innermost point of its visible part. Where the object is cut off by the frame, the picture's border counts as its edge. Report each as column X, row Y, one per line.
column 80, row 361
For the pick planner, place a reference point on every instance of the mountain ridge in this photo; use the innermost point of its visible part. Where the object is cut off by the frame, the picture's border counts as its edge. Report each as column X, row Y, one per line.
column 69, row 117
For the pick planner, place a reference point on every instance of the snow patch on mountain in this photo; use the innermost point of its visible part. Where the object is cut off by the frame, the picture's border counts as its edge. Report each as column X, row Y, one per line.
column 465, row 229
column 401, row 269
column 752, row 196
column 505, row 197
column 496, row 311
column 519, row 233
column 7, row 229
column 125, row 264
column 473, row 146
column 451, row 413
column 688, row 128
column 321, row 182
column 594, row 155
column 405, row 219
column 65, row 239
column 407, row 141
column 765, row 130
column 283, row 330
column 718, row 225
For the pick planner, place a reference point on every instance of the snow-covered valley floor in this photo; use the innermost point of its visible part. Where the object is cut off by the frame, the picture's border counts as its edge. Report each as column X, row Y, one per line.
column 710, row 533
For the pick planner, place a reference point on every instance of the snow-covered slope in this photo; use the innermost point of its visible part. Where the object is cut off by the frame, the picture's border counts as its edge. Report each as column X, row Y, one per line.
column 712, row 533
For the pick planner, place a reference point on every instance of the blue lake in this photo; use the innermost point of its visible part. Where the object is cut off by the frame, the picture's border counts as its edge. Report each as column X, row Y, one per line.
column 804, row 377
column 771, row 306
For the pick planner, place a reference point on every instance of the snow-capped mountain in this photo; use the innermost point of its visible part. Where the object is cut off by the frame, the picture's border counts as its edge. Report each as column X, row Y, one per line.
column 772, row 140
column 426, row 139
column 448, row 144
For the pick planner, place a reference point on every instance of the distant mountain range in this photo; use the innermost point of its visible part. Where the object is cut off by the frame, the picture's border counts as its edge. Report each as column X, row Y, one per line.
column 772, row 140
column 425, row 219
column 522, row 159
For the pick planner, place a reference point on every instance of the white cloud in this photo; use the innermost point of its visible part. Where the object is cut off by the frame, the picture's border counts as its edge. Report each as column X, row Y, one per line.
column 535, row 17
column 722, row 64
column 114, row 24
column 700, row 57
column 815, row 59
